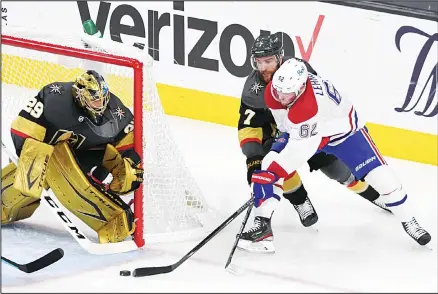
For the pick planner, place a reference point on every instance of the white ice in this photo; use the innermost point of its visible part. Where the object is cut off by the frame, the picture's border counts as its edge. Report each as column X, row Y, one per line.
column 358, row 247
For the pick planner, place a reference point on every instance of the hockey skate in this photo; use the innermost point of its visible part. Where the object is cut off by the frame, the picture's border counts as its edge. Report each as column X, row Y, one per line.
column 259, row 238
column 307, row 213
column 381, row 204
column 420, row 235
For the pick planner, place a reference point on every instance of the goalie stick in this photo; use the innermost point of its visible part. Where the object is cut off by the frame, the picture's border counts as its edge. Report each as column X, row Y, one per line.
column 84, row 242
column 149, row 271
column 40, row 263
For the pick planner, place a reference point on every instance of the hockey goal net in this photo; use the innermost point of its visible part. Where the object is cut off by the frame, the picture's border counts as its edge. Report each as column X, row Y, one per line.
column 170, row 204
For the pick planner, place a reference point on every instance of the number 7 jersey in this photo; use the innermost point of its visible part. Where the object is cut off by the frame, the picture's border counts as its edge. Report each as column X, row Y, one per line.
column 320, row 112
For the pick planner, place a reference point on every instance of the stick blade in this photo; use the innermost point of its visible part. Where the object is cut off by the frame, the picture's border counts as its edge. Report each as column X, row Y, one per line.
column 109, row 248
column 235, row 270
column 150, row 271
column 43, row 261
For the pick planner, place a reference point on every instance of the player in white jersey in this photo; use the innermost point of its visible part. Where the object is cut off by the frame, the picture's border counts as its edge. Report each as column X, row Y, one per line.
column 315, row 118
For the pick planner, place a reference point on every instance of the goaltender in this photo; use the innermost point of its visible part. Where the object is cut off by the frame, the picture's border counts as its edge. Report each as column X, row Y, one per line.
column 69, row 138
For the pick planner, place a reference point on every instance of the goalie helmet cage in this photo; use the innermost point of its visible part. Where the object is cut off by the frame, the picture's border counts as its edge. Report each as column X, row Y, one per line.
column 170, row 206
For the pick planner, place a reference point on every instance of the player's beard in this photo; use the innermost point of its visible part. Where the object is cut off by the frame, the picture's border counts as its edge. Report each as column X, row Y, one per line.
column 267, row 75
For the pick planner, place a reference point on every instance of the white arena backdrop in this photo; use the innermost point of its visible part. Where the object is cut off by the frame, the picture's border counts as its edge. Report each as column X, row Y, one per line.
column 170, row 205
column 387, row 64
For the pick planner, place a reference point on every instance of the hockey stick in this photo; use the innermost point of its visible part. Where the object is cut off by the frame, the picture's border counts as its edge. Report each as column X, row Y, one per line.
column 90, row 247
column 245, row 220
column 40, row 263
column 149, row 271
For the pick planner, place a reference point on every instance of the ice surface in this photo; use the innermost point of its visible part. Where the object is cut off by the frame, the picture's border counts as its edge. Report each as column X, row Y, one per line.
column 358, row 248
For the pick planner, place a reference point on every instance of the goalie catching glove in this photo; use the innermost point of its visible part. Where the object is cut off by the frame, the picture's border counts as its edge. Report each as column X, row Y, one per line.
column 125, row 169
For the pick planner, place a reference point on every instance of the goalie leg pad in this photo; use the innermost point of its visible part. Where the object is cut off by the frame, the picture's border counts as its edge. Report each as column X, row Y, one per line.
column 32, row 167
column 15, row 205
column 105, row 213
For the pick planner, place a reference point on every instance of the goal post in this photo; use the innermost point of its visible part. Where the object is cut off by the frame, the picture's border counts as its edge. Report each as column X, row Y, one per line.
column 170, row 205
column 136, row 65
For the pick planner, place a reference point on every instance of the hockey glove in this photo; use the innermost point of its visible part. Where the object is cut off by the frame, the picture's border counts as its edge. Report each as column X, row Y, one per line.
column 263, row 186
column 127, row 178
column 126, row 170
column 280, row 142
column 132, row 173
column 252, row 164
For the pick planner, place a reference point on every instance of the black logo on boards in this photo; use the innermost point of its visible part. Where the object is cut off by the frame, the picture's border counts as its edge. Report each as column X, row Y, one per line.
column 157, row 21
column 423, row 90
column 4, row 16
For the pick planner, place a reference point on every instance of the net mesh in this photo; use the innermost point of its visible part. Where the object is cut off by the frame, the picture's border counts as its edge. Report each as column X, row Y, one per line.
column 173, row 204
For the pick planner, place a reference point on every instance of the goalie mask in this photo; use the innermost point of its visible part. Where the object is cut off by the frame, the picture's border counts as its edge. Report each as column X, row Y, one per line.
column 91, row 92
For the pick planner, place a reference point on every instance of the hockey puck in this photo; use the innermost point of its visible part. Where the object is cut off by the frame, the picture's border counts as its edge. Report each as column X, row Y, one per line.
column 125, row 273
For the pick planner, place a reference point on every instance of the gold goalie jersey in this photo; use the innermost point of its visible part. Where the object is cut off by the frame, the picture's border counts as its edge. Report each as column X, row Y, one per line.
column 55, row 125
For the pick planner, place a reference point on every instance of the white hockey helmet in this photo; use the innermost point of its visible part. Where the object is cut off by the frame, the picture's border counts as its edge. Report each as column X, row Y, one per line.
column 289, row 81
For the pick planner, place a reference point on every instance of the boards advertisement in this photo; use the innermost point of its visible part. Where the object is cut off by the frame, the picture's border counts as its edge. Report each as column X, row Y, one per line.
column 386, row 64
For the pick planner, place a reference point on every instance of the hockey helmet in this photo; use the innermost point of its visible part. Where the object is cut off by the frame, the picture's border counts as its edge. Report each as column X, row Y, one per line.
column 263, row 46
column 91, row 92
column 289, row 81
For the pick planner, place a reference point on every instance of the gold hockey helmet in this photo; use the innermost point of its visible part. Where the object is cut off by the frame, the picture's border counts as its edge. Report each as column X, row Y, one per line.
column 91, row 92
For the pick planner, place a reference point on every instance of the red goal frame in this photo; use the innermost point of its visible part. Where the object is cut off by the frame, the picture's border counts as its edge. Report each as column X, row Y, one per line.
column 137, row 67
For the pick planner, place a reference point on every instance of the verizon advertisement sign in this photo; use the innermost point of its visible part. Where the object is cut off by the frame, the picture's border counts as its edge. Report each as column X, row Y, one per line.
column 211, row 34
column 386, row 64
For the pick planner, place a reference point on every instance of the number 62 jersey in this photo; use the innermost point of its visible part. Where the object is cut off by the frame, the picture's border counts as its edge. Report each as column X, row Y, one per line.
column 319, row 117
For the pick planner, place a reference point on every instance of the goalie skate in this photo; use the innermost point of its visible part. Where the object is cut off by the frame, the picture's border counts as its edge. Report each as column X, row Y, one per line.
column 259, row 238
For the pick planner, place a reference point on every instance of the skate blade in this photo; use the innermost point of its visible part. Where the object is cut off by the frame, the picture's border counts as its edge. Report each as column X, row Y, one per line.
column 315, row 228
column 256, row 247
column 428, row 246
